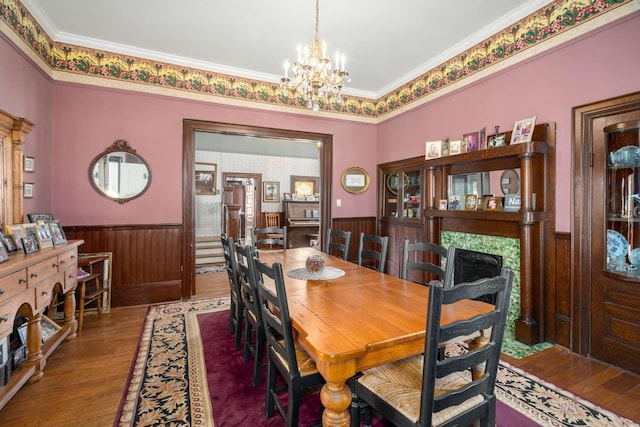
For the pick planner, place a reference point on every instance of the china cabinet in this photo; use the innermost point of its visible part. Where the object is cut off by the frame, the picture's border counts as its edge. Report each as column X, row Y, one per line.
column 400, row 206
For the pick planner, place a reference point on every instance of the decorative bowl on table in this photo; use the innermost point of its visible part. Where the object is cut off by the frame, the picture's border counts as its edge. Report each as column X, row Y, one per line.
column 315, row 264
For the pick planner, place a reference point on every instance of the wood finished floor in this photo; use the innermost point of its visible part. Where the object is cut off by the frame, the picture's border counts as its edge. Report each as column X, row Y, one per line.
column 84, row 378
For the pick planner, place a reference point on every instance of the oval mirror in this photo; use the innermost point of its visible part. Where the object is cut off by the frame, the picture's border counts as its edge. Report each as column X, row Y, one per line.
column 509, row 182
column 119, row 173
column 355, row 180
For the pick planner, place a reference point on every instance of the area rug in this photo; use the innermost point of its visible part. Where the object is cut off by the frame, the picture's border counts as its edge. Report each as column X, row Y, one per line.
column 186, row 373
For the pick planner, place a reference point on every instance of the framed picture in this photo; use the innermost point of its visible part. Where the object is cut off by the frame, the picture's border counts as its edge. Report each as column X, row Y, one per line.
column 454, row 203
column 435, row 149
column 497, row 141
column 29, row 164
column 57, row 233
column 4, row 254
column 9, row 243
column 304, row 185
column 43, row 234
column 492, row 203
column 443, row 204
column 29, row 244
column 29, row 230
column 287, row 196
column 206, row 178
column 28, row 190
column 17, row 231
column 49, row 327
column 271, row 191
column 473, row 141
column 457, row 147
column 471, row 202
column 482, row 143
column 355, row 180
column 35, row 217
column 523, row 130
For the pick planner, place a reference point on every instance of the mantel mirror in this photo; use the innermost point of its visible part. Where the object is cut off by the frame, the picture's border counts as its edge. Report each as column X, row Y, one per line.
column 355, row 180
column 119, row 173
column 469, row 183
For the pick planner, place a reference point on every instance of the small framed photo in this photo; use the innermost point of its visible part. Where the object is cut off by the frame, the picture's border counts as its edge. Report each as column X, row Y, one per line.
column 287, row 196
column 49, row 327
column 9, row 243
column 29, row 164
column 457, row 147
column 57, row 233
column 28, row 190
column 473, row 141
column 43, row 234
column 454, row 203
column 4, row 254
column 435, row 149
column 35, row 217
column 497, row 141
column 443, row 204
column 271, row 191
column 471, row 202
column 17, row 231
column 206, row 178
column 523, row 130
column 492, row 203
column 29, row 244
column 482, row 143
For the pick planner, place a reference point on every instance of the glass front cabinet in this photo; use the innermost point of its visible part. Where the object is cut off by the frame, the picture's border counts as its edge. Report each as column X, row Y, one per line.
column 622, row 198
column 402, row 193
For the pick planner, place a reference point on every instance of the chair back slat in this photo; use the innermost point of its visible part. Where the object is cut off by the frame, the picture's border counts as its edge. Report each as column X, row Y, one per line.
column 247, row 280
column 421, row 257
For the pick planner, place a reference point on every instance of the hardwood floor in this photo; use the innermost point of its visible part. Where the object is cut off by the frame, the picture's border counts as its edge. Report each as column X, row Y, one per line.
column 84, row 378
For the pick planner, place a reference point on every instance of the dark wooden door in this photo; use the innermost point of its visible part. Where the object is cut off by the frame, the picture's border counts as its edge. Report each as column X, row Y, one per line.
column 615, row 293
column 398, row 232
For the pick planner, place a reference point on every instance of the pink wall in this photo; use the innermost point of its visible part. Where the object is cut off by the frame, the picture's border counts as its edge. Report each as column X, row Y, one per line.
column 88, row 120
column 26, row 92
column 602, row 65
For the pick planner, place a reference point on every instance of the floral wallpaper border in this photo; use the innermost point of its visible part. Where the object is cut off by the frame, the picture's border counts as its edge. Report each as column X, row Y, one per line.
column 553, row 19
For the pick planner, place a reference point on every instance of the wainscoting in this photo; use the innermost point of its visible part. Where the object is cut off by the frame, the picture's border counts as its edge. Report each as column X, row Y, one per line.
column 366, row 225
column 146, row 259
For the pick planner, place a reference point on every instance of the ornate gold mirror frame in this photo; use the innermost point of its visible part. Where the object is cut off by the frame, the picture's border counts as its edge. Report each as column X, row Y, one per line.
column 355, row 180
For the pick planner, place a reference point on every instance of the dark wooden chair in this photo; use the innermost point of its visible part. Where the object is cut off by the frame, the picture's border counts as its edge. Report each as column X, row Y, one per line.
column 443, row 392
column 254, row 336
column 420, row 258
column 338, row 243
column 236, row 303
column 270, row 238
column 283, row 355
column 372, row 251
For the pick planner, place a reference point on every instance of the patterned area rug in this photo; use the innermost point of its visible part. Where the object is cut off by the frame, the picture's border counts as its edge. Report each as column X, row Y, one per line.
column 167, row 384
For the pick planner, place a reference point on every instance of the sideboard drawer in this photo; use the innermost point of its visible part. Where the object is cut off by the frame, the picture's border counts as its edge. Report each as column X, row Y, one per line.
column 42, row 270
column 70, row 278
column 12, row 284
column 68, row 259
column 43, row 294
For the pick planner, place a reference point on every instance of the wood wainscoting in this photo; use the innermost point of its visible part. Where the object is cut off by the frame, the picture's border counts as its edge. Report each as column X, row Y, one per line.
column 558, row 293
column 366, row 225
column 147, row 259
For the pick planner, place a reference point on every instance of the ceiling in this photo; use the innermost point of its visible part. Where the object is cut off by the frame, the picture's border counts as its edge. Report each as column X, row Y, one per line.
column 386, row 42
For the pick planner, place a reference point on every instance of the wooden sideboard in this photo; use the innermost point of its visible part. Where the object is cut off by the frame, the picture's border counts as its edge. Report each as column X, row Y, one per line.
column 27, row 283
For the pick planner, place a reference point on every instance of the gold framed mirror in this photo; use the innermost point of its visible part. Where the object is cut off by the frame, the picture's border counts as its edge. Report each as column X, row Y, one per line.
column 355, row 180
column 119, row 173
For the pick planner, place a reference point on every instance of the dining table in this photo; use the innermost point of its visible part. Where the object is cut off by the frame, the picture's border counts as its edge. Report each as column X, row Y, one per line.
column 350, row 318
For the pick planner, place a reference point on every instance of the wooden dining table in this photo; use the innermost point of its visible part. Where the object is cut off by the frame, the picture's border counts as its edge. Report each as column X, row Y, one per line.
column 357, row 321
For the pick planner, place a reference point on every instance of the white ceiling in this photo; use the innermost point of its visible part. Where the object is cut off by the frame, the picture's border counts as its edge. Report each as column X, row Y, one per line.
column 386, row 42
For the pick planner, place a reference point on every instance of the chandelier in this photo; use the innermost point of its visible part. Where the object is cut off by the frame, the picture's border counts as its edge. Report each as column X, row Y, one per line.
column 313, row 75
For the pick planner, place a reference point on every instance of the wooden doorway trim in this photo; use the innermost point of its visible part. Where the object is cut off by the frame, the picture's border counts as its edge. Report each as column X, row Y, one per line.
column 582, row 239
column 189, row 128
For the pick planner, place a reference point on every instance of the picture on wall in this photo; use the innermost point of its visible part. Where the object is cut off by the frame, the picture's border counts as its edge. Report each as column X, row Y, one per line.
column 270, row 191
column 206, row 178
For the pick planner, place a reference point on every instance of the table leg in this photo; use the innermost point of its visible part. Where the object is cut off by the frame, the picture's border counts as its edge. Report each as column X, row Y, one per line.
column 335, row 394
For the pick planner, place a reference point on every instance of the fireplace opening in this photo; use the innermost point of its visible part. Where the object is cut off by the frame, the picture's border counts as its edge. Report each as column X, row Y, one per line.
column 471, row 265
